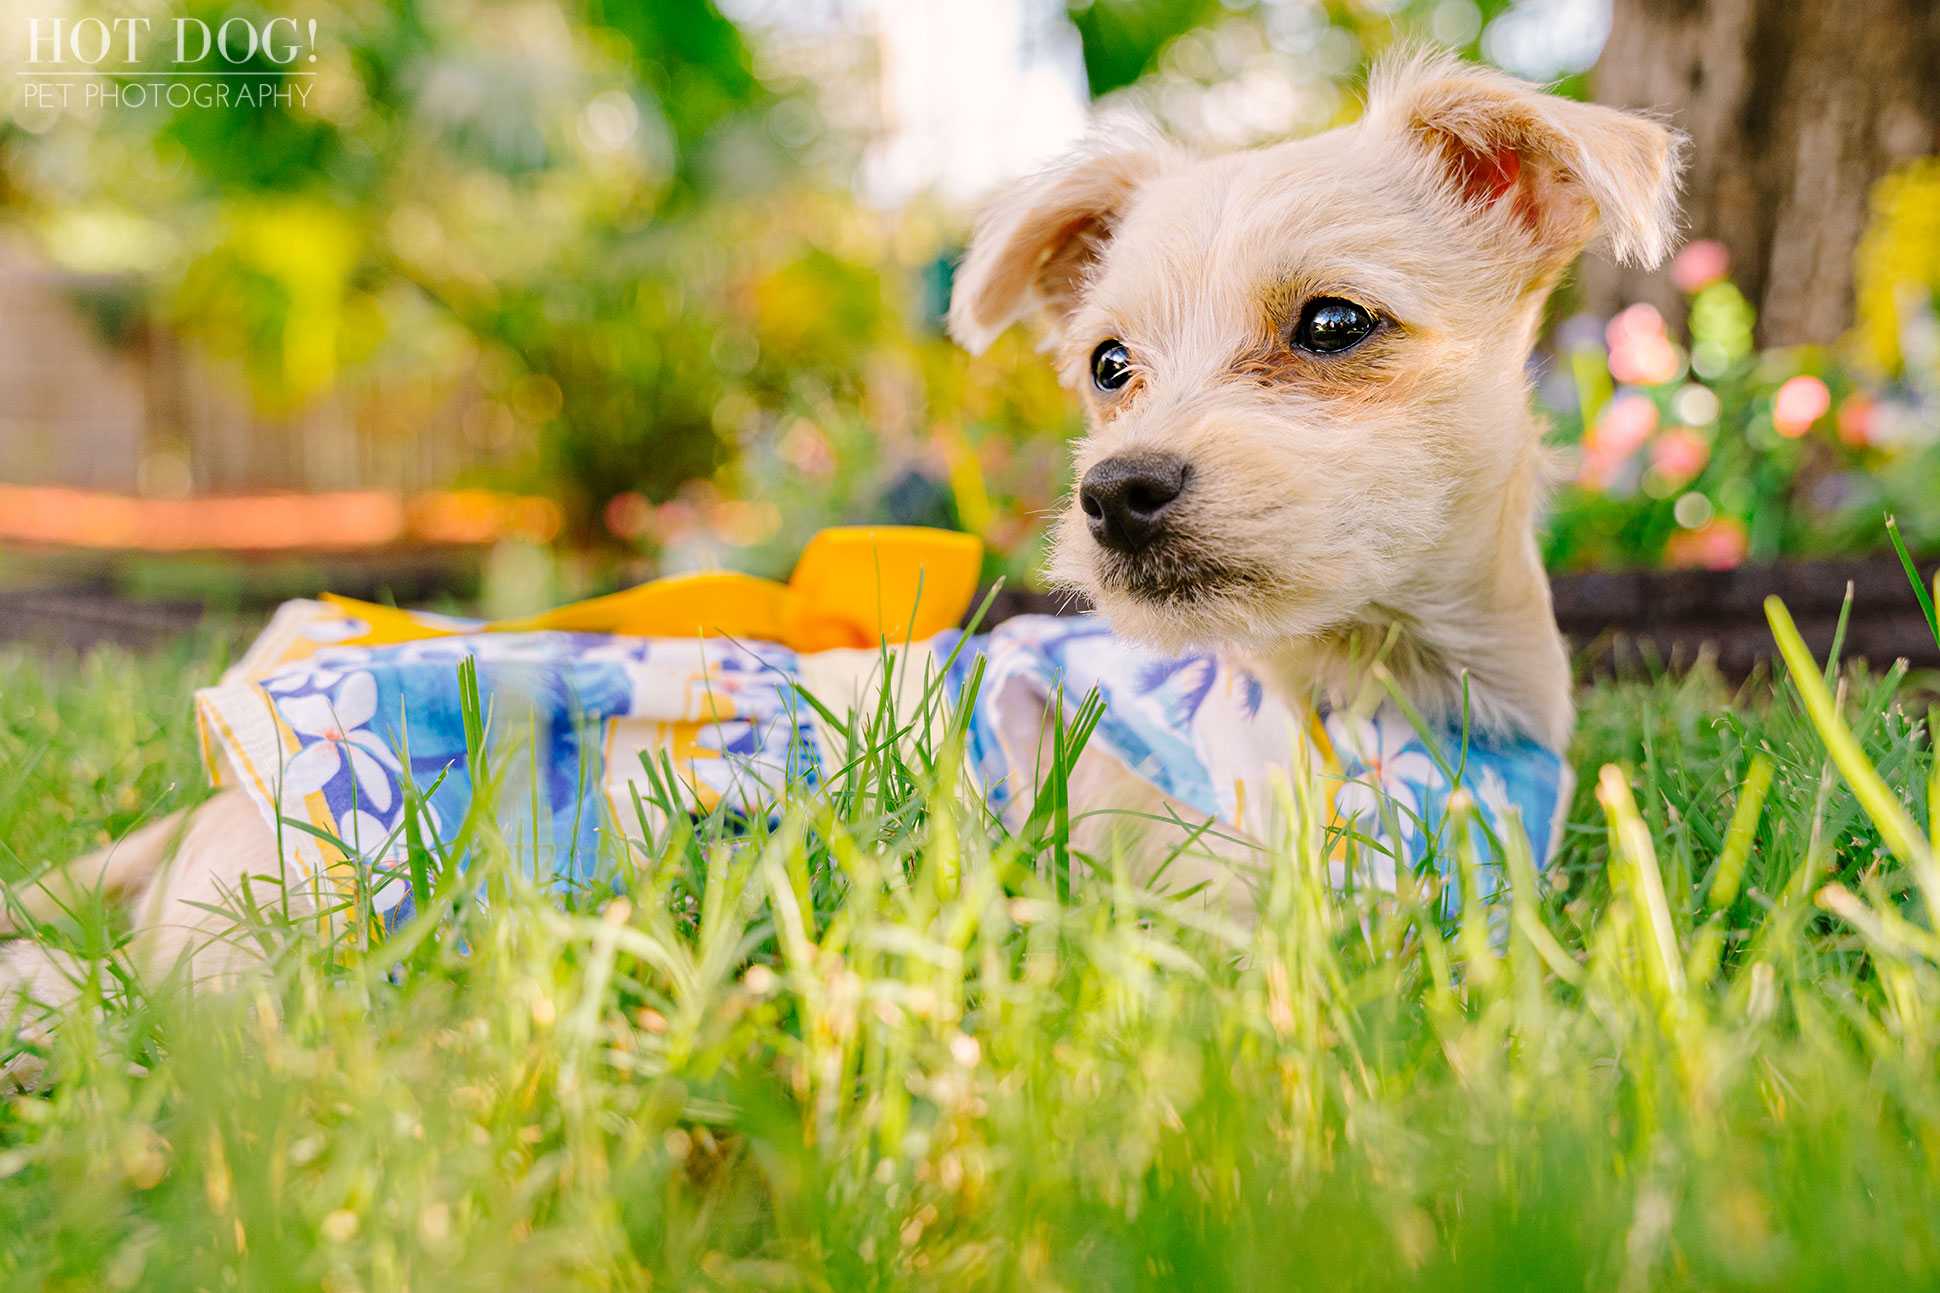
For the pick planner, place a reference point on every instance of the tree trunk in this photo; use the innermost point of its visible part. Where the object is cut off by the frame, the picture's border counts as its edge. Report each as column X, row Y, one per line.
column 1794, row 108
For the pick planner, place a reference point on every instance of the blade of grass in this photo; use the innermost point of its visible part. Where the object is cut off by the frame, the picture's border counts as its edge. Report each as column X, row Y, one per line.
column 1838, row 636
column 1895, row 824
column 1740, row 835
column 1630, row 837
column 1913, row 577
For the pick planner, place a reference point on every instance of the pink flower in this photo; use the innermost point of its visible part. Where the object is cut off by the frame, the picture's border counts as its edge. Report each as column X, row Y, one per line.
column 628, row 515
column 1639, row 320
column 1623, row 426
column 1799, row 403
column 1855, row 421
column 1679, row 454
column 1717, row 545
column 1699, row 265
column 1626, row 423
column 1640, row 349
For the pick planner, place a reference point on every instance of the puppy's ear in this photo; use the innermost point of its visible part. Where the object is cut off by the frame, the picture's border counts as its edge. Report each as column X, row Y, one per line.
column 1546, row 173
column 1033, row 247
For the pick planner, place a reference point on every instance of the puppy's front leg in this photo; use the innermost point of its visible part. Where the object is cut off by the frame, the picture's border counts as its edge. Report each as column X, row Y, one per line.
column 1116, row 816
column 170, row 874
column 228, row 853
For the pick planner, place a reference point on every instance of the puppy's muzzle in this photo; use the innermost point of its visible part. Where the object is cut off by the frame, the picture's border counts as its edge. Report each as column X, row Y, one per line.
column 1125, row 500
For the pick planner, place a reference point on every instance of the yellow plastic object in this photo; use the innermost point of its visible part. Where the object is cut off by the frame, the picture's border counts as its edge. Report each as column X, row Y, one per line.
column 388, row 624
column 853, row 586
column 716, row 603
column 858, row 585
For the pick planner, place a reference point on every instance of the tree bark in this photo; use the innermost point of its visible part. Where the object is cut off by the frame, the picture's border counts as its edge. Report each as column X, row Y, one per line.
column 1794, row 108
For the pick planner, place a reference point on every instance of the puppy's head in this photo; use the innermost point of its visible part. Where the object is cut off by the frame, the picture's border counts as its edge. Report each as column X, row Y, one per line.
column 1303, row 365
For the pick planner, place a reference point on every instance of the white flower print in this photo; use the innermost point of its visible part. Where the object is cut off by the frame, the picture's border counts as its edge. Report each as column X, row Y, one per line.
column 366, row 834
column 1389, row 770
column 390, row 894
column 1493, row 794
column 378, row 841
column 334, row 722
column 301, row 674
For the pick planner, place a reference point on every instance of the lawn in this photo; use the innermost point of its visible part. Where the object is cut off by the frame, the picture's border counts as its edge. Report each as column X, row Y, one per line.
column 875, row 1043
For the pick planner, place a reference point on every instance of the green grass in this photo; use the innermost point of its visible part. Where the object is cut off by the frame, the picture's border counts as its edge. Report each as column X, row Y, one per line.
column 879, row 1046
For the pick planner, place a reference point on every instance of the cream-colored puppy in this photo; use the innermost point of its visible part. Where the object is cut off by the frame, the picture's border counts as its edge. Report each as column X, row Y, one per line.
column 1305, row 373
column 1305, row 370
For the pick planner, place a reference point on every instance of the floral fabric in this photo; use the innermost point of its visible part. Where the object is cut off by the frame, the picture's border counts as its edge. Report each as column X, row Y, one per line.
column 328, row 735
column 1206, row 732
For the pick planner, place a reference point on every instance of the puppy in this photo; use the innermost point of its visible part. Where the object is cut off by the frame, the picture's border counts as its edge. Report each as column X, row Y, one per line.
column 1304, row 370
column 1305, row 373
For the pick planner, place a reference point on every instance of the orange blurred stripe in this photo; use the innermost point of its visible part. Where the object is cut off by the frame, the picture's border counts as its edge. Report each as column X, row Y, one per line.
column 346, row 520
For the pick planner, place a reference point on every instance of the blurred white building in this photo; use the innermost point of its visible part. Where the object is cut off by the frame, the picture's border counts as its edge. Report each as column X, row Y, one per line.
column 973, row 94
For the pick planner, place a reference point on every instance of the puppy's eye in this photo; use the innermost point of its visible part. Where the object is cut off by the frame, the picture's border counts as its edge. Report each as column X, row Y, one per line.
column 1330, row 325
column 1111, row 365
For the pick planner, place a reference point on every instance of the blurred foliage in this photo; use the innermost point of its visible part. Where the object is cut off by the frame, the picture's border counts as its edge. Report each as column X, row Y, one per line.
column 624, row 236
column 624, row 241
column 596, row 222
column 1702, row 451
column 1232, row 73
column 621, row 239
column 1899, row 274
column 1124, row 38
column 465, row 186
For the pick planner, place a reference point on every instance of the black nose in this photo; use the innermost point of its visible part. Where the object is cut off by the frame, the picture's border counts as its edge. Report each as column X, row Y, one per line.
column 1125, row 499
